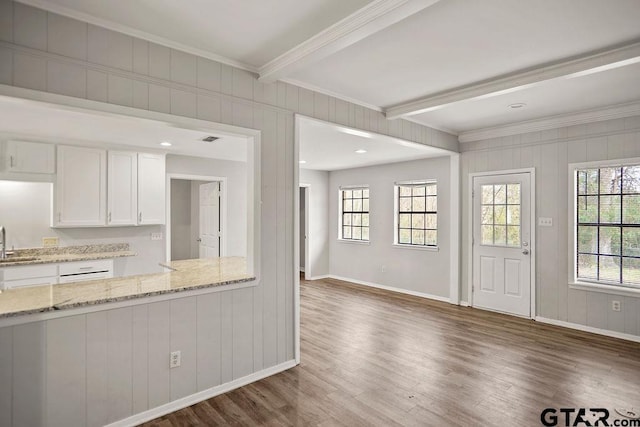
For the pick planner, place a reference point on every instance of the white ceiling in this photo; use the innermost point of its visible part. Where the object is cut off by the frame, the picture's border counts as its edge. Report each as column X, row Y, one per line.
column 451, row 64
column 328, row 147
column 35, row 121
column 250, row 32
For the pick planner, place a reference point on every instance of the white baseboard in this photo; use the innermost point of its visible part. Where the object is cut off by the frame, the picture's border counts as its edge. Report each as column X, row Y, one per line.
column 200, row 396
column 591, row 329
column 323, row 276
column 465, row 304
column 391, row 288
column 302, row 269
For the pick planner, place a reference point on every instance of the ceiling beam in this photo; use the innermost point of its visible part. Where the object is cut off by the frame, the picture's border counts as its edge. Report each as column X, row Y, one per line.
column 554, row 122
column 374, row 17
column 568, row 69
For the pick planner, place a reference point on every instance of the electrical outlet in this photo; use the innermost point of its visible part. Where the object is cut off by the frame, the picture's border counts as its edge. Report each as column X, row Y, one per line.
column 616, row 306
column 50, row 242
column 545, row 222
column 156, row 236
column 175, row 359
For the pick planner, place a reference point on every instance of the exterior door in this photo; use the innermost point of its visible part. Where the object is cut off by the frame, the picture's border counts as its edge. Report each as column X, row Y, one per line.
column 502, row 243
column 210, row 220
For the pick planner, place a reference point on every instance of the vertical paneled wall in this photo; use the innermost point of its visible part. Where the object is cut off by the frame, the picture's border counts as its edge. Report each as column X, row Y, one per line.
column 550, row 153
column 97, row 368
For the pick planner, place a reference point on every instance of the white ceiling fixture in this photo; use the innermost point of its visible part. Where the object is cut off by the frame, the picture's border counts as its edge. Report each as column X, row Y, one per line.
column 325, row 146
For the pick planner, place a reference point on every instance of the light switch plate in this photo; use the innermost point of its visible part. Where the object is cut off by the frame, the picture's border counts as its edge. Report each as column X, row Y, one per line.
column 156, row 236
column 545, row 222
column 50, row 242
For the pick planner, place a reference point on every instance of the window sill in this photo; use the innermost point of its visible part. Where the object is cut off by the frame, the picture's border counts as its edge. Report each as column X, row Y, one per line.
column 606, row 289
column 416, row 247
column 355, row 242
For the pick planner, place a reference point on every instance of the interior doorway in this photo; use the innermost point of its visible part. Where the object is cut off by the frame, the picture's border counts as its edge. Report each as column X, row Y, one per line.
column 197, row 217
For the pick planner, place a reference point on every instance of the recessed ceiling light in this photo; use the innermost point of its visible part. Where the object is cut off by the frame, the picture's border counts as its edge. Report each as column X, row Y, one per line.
column 361, row 151
column 302, row 162
column 517, row 105
column 356, row 132
column 165, row 144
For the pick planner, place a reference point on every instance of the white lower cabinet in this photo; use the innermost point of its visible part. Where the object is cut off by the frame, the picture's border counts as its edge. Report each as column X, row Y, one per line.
column 28, row 275
column 85, row 270
column 51, row 274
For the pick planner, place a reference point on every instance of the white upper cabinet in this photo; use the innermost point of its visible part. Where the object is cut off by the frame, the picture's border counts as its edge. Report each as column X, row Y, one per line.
column 29, row 157
column 151, row 189
column 81, row 187
column 122, row 188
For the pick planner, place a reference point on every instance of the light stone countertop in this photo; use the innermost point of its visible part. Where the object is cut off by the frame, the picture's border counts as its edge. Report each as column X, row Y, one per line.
column 185, row 275
column 21, row 257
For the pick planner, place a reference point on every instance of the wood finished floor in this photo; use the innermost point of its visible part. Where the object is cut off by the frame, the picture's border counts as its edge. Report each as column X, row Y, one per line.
column 377, row 358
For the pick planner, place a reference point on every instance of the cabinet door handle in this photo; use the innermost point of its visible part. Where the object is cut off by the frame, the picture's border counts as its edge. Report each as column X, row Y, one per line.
column 109, row 217
column 59, row 216
column 140, row 217
column 11, row 162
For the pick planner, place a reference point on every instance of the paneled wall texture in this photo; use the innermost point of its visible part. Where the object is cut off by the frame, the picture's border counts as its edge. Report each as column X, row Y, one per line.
column 93, row 369
column 551, row 152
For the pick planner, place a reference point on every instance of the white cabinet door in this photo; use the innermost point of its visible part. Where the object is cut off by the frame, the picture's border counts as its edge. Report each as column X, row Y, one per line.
column 30, row 157
column 122, row 188
column 81, row 187
column 151, row 189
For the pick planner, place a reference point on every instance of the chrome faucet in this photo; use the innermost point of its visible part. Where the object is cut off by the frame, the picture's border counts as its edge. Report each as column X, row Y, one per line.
column 3, row 235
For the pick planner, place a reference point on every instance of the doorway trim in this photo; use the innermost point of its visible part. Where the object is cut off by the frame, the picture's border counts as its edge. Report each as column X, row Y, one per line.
column 469, row 243
column 223, row 207
column 307, row 258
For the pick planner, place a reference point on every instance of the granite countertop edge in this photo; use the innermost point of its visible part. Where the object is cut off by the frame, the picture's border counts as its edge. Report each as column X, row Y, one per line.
column 52, row 259
column 60, row 307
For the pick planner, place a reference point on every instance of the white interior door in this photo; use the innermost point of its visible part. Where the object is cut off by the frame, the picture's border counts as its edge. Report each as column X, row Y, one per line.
column 210, row 220
column 502, row 243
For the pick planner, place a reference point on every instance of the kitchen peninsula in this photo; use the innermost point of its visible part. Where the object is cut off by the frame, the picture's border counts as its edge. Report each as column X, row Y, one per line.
column 182, row 276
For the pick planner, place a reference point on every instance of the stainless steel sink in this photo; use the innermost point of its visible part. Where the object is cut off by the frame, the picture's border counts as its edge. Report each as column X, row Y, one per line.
column 17, row 259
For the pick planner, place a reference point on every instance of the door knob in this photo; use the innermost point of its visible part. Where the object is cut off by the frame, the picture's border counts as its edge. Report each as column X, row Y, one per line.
column 526, row 252
column 198, row 240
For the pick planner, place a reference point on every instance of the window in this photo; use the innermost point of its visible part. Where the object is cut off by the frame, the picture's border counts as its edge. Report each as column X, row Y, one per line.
column 501, row 215
column 608, row 225
column 354, row 218
column 417, row 214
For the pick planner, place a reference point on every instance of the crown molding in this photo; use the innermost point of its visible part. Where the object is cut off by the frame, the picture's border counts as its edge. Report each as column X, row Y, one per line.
column 327, row 92
column 431, row 125
column 366, row 21
column 553, row 122
column 571, row 68
column 113, row 26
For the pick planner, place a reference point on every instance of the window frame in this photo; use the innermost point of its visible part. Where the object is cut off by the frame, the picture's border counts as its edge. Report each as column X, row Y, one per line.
column 581, row 283
column 397, row 212
column 341, row 213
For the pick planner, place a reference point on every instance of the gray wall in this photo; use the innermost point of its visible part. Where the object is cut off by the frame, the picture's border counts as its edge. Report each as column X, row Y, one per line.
column 318, row 192
column 181, row 223
column 236, row 174
column 550, row 152
column 53, row 385
column 410, row 269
